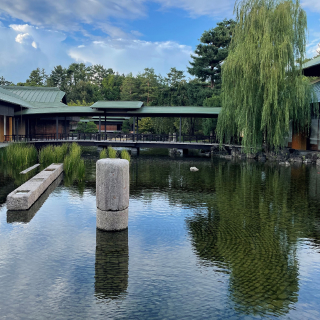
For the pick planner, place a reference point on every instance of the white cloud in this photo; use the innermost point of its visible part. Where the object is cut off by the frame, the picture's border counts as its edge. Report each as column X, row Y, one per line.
column 313, row 5
column 133, row 56
column 201, row 7
column 25, row 48
column 21, row 37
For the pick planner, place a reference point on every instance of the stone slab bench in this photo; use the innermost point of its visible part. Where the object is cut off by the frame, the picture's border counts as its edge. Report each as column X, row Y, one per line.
column 24, row 196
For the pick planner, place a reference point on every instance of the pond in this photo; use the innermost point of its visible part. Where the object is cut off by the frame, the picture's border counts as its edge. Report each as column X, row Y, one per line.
column 235, row 240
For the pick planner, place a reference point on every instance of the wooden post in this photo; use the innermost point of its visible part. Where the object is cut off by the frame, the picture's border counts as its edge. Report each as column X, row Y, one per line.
column 99, row 124
column 180, row 131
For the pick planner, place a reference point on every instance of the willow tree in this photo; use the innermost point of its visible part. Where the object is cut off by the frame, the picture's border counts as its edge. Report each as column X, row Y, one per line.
column 263, row 88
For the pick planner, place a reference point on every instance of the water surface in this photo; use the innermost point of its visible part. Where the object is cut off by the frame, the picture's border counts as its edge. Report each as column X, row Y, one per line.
column 231, row 241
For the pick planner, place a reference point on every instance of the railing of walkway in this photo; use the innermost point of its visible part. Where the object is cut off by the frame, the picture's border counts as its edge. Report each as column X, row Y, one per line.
column 113, row 137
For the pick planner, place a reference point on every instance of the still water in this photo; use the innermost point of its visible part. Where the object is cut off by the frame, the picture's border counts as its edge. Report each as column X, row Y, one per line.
column 232, row 241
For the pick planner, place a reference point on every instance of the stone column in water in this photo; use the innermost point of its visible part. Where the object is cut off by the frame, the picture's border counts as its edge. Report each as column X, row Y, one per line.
column 112, row 193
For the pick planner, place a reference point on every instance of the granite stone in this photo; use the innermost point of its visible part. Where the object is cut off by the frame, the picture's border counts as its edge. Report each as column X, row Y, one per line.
column 24, row 196
column 112, row 220
column 112, row 184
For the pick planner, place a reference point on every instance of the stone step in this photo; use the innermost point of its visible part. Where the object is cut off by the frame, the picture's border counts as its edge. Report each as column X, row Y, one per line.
column 24, row 196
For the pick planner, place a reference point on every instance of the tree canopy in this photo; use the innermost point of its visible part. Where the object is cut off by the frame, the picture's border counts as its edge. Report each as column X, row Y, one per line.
column 262, row 84
column 211, row 52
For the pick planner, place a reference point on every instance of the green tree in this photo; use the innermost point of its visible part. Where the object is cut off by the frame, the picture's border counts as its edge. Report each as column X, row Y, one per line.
column 262, row 86
column 58, row 78
column 211, row 52
column 149, row 86
column 4, row 82
column 86, row 127
column 37, row 78
column 130, row 88
column 111, row 85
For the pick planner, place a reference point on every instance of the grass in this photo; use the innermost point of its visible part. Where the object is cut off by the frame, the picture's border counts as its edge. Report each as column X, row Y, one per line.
column 112, row 153
column 125, row 155
column 19, row 155
column 53, row 154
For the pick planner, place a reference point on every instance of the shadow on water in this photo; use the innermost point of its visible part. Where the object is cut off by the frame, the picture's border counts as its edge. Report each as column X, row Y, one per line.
column 112, row 264
column 25, row 216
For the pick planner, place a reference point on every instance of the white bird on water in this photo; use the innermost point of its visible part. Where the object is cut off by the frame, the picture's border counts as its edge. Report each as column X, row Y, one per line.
column 194, row 169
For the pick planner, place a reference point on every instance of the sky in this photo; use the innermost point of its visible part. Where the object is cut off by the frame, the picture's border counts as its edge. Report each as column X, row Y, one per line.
column 125, row 35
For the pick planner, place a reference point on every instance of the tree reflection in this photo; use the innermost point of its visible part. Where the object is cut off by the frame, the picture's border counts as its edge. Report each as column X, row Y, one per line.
column 251, row 230
column 112, row 263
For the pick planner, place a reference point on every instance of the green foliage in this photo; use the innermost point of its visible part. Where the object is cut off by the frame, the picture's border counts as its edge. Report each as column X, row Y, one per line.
column 86, row 127
column 262, row 86
column 72, row 161
column 19, row 155
column 53, row 154
column 130, row 88
column 4, row 82
column 126, row 126
column 37, row 78
column 104, row 153
column 146, row 125
column 211, row 52
column 125, row 155
column 112, row 153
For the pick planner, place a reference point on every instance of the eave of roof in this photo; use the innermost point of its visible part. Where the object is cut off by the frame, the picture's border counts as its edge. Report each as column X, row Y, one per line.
column 311, row 63
column 117, row 105
column 12, row 98
column 37, row 94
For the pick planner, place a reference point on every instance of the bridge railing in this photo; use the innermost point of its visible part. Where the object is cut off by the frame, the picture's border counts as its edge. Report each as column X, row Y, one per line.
column 122, row 137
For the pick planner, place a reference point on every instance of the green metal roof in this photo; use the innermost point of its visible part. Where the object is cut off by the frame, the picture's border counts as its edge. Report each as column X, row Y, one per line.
column 311, row 63
column 10, row 97
column 204, row 112
column 63, row 110
column 36, row 94
column 117, row 105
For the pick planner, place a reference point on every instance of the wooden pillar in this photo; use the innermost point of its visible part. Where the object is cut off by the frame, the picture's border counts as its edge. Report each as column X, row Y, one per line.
column 65, row 125
column 99, row 124
column 57, row 128
column 134, row 125
column 180, row 131
column 4, row 125
column 17, row 128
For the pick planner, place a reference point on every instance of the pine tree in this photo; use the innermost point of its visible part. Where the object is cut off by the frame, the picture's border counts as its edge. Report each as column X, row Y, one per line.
column 130, row 88
column 211, row 52
column 262, row 85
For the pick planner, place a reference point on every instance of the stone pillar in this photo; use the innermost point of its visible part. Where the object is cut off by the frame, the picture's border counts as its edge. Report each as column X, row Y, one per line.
column 112, row 194
column 174, row 138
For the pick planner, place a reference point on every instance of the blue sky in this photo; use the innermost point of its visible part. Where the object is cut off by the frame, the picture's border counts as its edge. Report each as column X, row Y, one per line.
column 126, row 35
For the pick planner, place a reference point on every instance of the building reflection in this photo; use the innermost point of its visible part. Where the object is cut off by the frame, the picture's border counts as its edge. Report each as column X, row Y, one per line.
column 112, row 264
column 25, row 216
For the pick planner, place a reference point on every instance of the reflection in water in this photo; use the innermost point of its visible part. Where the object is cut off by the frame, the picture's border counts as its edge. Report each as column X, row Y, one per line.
column 251, row 231
column 25, row 216
column 112, row 263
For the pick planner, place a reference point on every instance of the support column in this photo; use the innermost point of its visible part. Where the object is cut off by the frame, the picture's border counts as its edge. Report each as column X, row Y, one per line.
column 17, row 128
column 137, row 125
column 57, row 128
column 134, row 125
column 105, row 123
column 5, row 125
column 112, row 189
column 99, row 124
column 28, row 129
column 180, row 131
column 65, row 125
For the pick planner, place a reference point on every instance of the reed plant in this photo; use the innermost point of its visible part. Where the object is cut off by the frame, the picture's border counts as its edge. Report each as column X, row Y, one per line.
column 19, row 155
column 125, row 155
column 112, row 153
column 53, row 154
column 104, row 154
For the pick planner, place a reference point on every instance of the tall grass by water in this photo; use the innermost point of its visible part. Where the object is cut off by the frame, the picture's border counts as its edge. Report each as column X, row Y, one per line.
column 73, row 165
column 112, row 153
column 53, row 154
column 19, row 155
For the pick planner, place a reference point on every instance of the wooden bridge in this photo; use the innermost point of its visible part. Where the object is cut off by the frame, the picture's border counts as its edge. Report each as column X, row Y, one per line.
column 130, row 140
